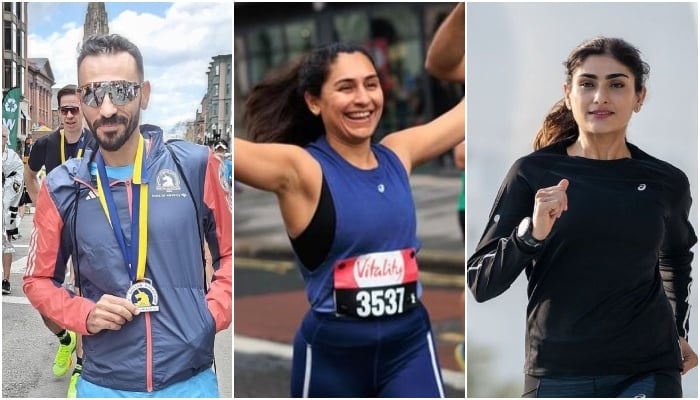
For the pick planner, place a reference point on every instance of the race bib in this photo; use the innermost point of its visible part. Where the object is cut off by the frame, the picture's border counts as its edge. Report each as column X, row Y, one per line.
column 376, row 284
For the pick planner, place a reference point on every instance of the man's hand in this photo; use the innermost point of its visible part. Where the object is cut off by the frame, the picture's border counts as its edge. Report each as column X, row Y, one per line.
column 110, row 312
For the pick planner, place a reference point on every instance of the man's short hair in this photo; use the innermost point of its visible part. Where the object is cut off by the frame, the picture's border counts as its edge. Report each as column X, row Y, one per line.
column 65, row 91
column 110, row 44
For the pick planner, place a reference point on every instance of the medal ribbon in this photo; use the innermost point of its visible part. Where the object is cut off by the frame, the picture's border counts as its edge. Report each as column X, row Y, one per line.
column 79, row 150
column 134, row 255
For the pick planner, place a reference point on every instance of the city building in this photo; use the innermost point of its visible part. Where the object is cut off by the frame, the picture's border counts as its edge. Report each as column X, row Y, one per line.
column 34, row 76
column 216, row 105
column 199, row 126
column 56, row 115
column 14, row 60
column 397, row 34
column 40, row 80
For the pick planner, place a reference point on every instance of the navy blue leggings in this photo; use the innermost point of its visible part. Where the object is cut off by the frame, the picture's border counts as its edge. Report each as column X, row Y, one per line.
column 383, row 357
column 663, row 383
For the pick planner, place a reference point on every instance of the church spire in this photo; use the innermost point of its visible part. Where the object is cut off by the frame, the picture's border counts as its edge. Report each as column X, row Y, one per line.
column 95, row 20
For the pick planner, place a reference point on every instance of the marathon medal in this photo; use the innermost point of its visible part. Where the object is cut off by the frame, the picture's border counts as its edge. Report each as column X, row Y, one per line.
column 143, row 295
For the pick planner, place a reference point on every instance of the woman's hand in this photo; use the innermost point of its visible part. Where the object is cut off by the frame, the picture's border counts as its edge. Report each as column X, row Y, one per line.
column 690, row 359
column 550, row 203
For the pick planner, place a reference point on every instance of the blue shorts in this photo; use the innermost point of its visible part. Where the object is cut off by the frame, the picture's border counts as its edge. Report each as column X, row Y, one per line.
column 383, row 357
column 662, row 383
column 203, row 384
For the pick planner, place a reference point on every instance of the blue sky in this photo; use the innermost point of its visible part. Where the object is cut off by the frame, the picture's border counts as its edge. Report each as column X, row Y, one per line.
column 177, row 41
column 46, row 17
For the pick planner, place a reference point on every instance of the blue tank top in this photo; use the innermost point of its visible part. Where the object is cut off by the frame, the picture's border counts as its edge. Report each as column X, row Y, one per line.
column 374, row 213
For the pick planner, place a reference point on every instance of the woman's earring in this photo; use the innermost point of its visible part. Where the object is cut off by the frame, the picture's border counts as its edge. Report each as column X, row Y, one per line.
column 638, row 107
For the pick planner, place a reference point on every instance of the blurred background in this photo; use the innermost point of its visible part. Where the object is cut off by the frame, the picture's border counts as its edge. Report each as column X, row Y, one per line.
column 515, row 74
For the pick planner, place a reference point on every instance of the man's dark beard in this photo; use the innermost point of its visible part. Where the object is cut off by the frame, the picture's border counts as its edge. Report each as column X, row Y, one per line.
column 116, row 142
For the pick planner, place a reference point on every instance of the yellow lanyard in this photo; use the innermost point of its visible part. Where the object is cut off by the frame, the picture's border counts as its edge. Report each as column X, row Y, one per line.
column 63, row 147
column 139, row 221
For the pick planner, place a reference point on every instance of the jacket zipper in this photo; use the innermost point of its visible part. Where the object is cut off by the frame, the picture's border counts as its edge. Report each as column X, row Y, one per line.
column 149, row 354
column 147, row 317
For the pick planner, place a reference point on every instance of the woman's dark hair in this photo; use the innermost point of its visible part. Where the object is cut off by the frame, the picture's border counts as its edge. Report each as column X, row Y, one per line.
column 560, row 123
column 275, row 110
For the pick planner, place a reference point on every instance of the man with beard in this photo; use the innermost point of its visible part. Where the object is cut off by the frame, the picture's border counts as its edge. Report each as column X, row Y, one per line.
column 148, row 318
column 69, row 141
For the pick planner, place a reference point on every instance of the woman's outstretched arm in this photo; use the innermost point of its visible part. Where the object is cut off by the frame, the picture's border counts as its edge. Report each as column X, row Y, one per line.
column 286, row 170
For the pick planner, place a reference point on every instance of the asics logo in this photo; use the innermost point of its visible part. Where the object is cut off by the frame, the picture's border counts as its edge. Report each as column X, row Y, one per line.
column 641, row 187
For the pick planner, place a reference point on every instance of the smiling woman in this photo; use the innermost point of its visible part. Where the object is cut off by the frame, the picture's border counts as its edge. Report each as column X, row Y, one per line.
column 348, row 209
column 601, row 229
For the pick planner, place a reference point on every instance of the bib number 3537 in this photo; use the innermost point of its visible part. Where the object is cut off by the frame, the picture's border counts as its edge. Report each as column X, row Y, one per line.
column 377, row 284
column 384, row 301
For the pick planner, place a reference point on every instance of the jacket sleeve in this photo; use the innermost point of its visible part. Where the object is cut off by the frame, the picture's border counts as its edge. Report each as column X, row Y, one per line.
column 675, row 256
column 499, row 257
column 45, row 267
column 218, row 232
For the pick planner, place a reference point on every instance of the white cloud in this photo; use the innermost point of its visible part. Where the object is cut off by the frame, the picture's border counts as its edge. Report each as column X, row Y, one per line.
column 41, row 13
column 176, row 49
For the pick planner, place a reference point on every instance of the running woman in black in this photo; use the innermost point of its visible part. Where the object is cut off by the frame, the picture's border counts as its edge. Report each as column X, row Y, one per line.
column 601, row 229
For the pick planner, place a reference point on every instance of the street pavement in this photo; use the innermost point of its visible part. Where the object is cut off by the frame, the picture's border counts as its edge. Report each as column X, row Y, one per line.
column 269, row 301
column 28, row 348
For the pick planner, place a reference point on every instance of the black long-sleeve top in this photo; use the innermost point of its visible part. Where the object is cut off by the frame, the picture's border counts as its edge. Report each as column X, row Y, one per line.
column 608, row 291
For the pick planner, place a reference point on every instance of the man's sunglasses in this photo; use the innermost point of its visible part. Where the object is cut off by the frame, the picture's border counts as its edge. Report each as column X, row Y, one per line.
column 120, row 92
column 72, row 110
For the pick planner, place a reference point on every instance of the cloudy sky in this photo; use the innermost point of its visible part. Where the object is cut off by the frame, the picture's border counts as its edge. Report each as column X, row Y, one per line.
column 177, row 41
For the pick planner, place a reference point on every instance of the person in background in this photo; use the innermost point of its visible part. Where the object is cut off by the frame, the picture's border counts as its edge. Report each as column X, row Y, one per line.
column 12, row 185
column 48, row 152
column 221, row 150
column 459, row 156
column 445, row 61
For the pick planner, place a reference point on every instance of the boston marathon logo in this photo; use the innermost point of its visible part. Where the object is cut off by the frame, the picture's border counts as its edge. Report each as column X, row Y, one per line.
column 167, row 180
column 144, row 296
